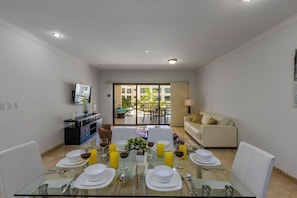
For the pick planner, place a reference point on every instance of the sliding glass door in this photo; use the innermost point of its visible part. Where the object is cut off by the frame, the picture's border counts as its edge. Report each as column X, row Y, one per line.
column 142, row 104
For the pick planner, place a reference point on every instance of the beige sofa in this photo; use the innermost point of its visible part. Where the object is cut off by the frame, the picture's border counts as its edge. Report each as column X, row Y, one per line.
column 211, row 130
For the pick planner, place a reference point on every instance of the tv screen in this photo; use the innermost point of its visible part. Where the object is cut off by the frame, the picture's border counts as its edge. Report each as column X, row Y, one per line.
column 82, row 94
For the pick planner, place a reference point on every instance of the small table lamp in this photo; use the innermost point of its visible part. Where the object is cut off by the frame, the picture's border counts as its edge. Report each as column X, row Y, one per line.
column 189, row 103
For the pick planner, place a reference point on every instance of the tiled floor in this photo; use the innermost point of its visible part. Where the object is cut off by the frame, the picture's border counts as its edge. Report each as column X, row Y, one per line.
column 279, row 187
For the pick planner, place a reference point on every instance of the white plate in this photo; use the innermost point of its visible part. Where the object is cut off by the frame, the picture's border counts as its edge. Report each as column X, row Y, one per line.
column 213, row 162
column 174, row 184
column 168, row 149
column 68, row 163
column 83, row 180
column 110, row 173
column 64, row 163
column 154, row 181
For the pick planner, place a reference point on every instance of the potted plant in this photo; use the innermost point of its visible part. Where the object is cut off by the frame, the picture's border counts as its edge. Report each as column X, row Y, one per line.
column 138, row 144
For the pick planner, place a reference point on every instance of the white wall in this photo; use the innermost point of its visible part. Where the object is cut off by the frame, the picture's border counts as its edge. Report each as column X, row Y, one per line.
column 39, row 79
column 108, row 77
column 254, row 86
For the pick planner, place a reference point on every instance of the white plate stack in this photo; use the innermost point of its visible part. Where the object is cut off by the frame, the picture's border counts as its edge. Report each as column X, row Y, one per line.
column 204, row 155
column 95, row 176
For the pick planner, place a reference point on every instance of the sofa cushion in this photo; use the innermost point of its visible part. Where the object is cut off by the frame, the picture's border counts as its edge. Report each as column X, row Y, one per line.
column 212, row 121
column 195, row 130
column 205, row 118
column 196, row 117
column 224, row 121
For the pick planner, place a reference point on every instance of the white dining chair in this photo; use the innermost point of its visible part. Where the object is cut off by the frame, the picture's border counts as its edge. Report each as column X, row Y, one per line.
column 166, row 134
column 252, row 166
column 19, row 166
column 122, row 133
column 155, row 134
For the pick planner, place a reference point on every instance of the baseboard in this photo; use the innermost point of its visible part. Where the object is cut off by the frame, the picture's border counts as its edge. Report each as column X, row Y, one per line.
column 282, row 173
column 52, row 149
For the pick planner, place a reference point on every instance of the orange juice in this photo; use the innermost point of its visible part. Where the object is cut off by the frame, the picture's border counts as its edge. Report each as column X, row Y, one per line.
column 168, row 158
column 93, row 157
column 114, row 159
column 183, row 148
column 160, row 150
column 112, row 147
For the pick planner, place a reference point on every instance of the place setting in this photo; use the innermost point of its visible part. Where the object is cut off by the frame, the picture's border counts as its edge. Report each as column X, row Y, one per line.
column 163, row 178
column 95, row 176
column 167, row 145
column 204, row 157
column 74, row 159
column 120, row 145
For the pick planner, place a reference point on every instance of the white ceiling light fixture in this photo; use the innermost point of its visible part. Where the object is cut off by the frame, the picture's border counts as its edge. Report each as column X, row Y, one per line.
column 247, row 0
column 56, row 35
column 172, row 61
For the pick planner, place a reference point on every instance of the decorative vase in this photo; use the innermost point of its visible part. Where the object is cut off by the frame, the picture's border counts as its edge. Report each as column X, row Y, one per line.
column 141, row 158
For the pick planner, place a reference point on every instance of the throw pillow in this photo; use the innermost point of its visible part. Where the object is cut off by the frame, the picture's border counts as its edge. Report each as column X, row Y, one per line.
column 212, row 121
column 192, row 116
column 197, row 118
column 205, row 118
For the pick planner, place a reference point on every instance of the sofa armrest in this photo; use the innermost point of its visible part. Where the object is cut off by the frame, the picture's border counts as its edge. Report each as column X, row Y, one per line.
column 219, row 135
column 187, row 118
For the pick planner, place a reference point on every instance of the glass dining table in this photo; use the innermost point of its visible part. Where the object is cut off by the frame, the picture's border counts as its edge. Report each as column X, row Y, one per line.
column 192, row 179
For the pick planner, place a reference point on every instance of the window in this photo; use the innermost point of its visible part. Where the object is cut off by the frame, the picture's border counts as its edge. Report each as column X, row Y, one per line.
column 129, row 90
column 142, row 90
column 167, row 98
column 167, row 90
column 123, row 90
column 129, row 97
column 155, row 90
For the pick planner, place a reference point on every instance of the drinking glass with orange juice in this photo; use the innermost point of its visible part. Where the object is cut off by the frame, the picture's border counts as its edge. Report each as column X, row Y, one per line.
column 168, row 158
column 160, row 150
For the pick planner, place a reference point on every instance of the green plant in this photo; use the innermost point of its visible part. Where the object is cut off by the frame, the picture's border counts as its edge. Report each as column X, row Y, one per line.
column 137, row 144
column 126, row 103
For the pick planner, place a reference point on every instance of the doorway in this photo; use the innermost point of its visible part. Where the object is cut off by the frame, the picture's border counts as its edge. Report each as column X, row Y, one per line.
column 141, row 104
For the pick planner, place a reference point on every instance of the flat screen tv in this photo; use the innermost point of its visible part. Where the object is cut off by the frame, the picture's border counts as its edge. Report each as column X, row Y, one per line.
column 82, row 94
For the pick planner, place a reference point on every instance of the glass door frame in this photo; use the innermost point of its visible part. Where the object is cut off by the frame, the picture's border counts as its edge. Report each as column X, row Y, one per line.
column 138, row 113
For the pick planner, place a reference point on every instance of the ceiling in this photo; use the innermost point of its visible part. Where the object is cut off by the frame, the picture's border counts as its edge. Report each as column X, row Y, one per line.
column 114, row 34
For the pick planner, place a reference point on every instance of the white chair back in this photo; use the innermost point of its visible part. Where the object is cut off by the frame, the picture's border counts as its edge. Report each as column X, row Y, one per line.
column 252, row 166
column 19, row 166
column 155, row 134
column 166, row 134
column 122, row 133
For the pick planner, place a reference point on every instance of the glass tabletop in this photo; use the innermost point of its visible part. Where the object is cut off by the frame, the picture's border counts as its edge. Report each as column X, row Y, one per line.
column 138, row 180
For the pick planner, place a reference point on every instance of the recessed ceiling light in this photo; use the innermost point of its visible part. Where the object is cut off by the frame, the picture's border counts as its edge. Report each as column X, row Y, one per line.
column 247, row 0
column 172, row 61
column 57, row 35
column 146, row 51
